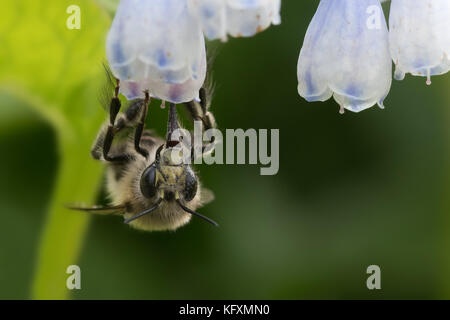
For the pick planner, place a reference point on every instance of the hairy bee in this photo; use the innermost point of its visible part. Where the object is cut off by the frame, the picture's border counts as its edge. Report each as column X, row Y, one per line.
column 145, row 185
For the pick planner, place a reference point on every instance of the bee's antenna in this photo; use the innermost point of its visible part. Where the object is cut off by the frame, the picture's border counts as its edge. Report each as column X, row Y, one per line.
column 143, row 213
column 172, row 124
column 197, row 214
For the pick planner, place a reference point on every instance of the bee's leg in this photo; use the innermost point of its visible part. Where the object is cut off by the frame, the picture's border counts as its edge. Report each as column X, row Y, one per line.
column 112, row 130
column 103, row 143
column 140, row 127
column 172, row 122
column 200, row 112
column 109, row 137
column 115, row 105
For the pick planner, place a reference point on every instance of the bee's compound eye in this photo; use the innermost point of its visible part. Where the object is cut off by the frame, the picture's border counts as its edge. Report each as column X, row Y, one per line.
column 148, row 182
column 190, row 188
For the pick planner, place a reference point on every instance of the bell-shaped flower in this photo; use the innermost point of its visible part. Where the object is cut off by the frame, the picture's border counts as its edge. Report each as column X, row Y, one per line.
column 157, row 45
column 239, row 18
column 345, row 54
column 420, row 37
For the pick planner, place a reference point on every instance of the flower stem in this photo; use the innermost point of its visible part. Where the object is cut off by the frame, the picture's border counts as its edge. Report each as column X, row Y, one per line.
column 62, row 238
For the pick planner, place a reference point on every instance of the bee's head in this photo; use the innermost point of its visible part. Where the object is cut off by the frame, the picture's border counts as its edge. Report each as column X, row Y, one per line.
column 168, row 177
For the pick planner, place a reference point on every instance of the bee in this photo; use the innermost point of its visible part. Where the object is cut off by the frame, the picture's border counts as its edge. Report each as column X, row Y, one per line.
column 146, row 186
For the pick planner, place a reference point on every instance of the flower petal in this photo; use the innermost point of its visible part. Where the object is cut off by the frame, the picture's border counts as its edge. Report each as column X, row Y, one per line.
column 420, row 37
column 345, row 53
column 239, row 18
column 157, row 44
column 176, row 93
column 248, row 17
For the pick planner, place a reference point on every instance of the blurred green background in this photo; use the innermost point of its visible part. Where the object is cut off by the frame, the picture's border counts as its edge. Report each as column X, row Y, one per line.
column 352, row 190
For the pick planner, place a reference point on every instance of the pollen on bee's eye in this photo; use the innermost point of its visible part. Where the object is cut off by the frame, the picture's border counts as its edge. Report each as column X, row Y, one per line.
column 345, row 54
column 157, row 45
column 238, row 18
column 420, row 37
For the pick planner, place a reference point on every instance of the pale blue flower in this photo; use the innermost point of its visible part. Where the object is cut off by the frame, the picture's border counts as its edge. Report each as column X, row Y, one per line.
column 157, row 45
column 345, row 54
column 420, row 37
column 238, row 18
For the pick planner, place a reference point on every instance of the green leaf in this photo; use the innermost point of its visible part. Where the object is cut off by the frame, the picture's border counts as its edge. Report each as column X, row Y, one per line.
column 58, row 72
column 109, row 6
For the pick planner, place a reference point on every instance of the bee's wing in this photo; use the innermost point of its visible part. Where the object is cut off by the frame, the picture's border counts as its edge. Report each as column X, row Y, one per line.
column 107, row 89
column 206, row 196
column 100, row 210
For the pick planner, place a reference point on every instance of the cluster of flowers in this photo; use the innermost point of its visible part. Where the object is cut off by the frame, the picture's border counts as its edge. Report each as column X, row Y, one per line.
column 158, row 45
column 348, row 50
